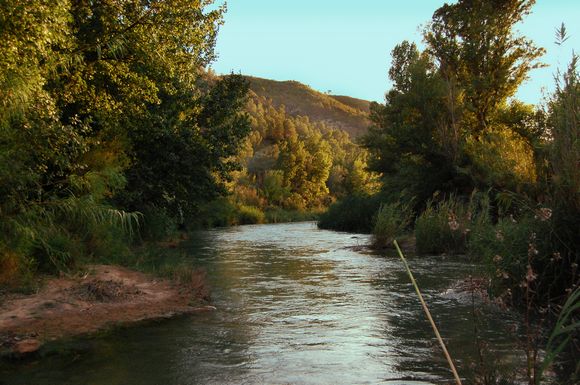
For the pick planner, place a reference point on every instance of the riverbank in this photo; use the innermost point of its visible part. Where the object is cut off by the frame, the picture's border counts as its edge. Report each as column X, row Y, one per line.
column 104, row 296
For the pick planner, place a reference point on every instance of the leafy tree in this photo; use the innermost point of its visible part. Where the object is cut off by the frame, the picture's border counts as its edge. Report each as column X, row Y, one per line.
column 306, row 166
column 288, row 160
column 403, row 142
column 108, row 104
column 474, row 44
column 179, row 163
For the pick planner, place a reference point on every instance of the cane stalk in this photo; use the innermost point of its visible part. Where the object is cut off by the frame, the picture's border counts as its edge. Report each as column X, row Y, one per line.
column 426, row 309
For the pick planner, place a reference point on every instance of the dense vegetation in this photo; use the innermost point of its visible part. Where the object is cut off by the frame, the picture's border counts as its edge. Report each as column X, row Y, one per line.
column 296, row 163
column 107, row 112
column 485, row 174
column 112, row 129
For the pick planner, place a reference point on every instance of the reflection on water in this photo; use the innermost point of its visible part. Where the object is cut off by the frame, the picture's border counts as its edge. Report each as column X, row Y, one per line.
column 296, row 305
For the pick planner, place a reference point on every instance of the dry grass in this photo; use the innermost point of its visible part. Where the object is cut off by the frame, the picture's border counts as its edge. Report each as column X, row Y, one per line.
column 299, row 99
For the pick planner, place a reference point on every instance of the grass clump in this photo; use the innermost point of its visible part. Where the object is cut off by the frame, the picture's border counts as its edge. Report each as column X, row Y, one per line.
column 438, row 229
column 445, row 226
column 391, row 220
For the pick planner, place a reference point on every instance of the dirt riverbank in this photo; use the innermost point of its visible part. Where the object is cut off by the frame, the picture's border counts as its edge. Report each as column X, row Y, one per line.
column 105, row 296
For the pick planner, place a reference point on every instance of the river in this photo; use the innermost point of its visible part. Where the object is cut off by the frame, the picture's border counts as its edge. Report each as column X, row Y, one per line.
column 295, row 305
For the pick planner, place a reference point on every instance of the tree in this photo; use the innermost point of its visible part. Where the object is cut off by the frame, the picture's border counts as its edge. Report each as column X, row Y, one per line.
column 474, row 44
column 108, row 104
column 306, row 167
column 403, row 142
column 140, row 81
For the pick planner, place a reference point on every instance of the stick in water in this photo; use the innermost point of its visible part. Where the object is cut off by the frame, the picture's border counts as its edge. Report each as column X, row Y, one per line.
column 426, row 309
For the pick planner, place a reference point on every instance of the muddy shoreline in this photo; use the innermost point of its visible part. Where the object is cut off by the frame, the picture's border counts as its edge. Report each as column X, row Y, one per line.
column 104, row 297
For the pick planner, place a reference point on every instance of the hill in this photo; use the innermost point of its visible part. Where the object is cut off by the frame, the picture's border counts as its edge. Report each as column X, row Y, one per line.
column 343, row 112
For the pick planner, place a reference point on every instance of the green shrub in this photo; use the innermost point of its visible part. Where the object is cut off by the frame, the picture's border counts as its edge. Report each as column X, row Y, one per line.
column 353, row 213
column 249, row 215
column 514, row 252
column 433, row 231
column 157, row 224
column 217, row 213
column 390, row 221
column 444, row 227
column 106, row 244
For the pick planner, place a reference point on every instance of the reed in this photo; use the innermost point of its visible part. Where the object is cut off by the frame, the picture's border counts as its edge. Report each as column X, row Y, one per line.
column 428, row 314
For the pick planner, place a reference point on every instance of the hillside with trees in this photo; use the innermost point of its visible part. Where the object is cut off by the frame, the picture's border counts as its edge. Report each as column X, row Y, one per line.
column 293, row 164
column 342, row 112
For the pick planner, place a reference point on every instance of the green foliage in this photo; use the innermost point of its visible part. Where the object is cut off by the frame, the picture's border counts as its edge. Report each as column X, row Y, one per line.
column 567, row 325
column 391, row 221
column 107, row 109
column 217, row 213
column 248, row 215
column 353, row 213
column 274, row 189
column 61, row 234
column 281, row 215
column 181, row 163
column 564, row 149
column 157, row 224
column 446, row 124
column 487, row 76
column 501, row 158
column 446, row 226
column 405, row 142
column 296, row 163
column 437, row 229
column 515, row 251
column 306, row 166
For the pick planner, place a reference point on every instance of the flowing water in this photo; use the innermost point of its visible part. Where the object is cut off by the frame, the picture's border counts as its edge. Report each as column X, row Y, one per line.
column 295, row 305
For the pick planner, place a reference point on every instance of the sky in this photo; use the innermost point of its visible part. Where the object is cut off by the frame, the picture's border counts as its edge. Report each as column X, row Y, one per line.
column 343, row 46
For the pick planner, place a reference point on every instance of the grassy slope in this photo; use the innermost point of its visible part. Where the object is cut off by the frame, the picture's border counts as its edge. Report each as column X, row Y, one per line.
column 342, row 112
column 359, row 104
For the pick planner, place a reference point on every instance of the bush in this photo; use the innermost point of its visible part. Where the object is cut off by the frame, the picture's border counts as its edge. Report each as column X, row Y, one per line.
column 249, row 215
column 390, row 221
column 157, row 224
column 436, row 229
column 354, row 213
column 218, row 213
column 444, row 227
column 516, row 253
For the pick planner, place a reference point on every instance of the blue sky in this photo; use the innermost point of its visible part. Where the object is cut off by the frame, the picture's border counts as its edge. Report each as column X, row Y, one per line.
column 344, row 46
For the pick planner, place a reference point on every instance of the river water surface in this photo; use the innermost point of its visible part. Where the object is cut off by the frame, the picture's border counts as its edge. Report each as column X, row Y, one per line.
column 295, row 305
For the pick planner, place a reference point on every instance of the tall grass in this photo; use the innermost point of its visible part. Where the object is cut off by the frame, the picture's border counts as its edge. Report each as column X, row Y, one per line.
column 60, row 235
column 391, row 221
column 445, row 225
column 565, row 330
